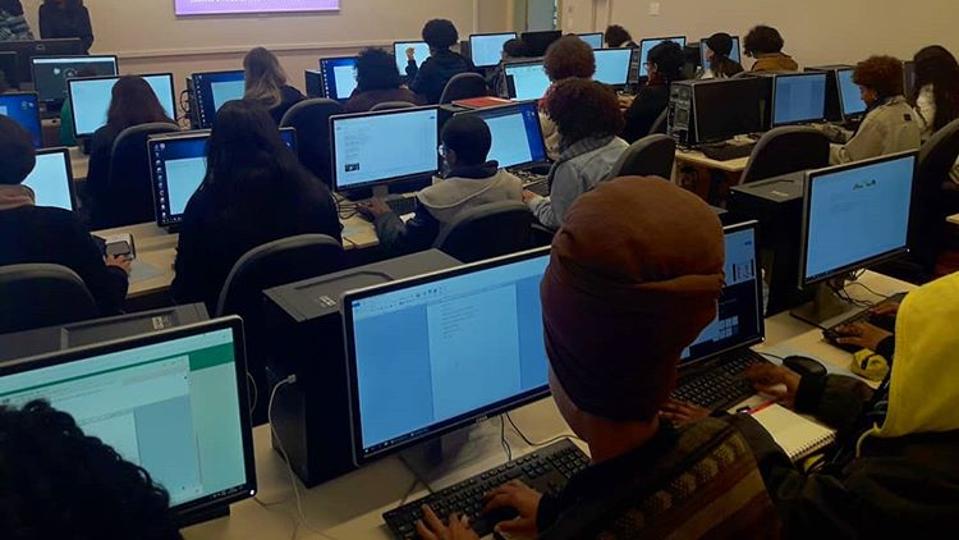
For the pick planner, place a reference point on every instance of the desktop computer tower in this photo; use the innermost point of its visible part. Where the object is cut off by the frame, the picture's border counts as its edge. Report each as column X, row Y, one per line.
column 833, row 106
column 193, row 103
column 311, row 417
column 715, row 110
column 680, row 120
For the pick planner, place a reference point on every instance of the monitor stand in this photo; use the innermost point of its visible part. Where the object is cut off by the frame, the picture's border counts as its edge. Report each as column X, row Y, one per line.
column 826, row 305
column 476, row 448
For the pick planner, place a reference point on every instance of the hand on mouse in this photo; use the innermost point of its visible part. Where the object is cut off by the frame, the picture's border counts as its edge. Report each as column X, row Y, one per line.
column 374, row 208
column 862, row 335
column 524, row 500
column 769, row 379
column 886, row 309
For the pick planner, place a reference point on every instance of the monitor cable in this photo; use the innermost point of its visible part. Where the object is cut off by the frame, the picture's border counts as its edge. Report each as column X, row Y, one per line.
column 535, row 444
column 503, row 441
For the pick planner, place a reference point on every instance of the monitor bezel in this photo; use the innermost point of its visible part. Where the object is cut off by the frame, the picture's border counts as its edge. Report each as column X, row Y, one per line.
column 487, row 34
column 71, row 184
column 33, row 69
column 519, row 106
column 73, row 109
column 842, row 98
column 36, row 108
column 360, row 455
column 39, row 47
column 172, row 220
column 204, row 123
column 680, row 40
column 322, row 73
column 526, row 62
column 602, row 40
column 749, row 79
column 775, row 91
column 629, row 64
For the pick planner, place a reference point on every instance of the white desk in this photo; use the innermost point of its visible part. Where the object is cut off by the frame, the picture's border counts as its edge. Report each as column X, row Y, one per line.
column 80, row 163
column 351, row 507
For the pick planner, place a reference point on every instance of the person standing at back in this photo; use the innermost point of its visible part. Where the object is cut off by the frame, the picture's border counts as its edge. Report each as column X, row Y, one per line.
column 266, row 83
column 719, row 65
column 765, row 44
column 377, row 81
column 566, row 58
column 664, row 65
column 937, row 92
column 429, row 80
column 13, row 23
column 61, row 19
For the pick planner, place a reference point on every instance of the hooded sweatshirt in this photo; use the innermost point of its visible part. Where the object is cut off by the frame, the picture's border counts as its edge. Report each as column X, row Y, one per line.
column 429, row 80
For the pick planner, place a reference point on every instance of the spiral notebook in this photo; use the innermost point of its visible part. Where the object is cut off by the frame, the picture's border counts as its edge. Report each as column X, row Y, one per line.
column 798, row 436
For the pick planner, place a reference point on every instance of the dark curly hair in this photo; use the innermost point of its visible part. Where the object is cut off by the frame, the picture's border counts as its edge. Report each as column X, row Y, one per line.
column 583, row 108
column 937, row 66
column 440, row 34
column 881, row 73
column 669, row 60
column 376, row 70
column 568, row 57
column 763, row 40
column 617, row 36
column 516, row 48
column 56, row 482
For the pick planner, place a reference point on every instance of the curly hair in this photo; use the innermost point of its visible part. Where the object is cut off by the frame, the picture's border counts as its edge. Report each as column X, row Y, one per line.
column 568, row 57
column 763, row 40
column 59, row 483
column 376, row 70
column 882, row 74
column 617, row 36
column 440, row 34
column 583, row 108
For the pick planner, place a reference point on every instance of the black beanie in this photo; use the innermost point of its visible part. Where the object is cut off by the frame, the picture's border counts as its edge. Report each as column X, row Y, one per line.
column 721, row 44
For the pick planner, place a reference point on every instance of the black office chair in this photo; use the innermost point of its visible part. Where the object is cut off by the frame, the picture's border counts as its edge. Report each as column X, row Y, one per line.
column 650, row 156
column 936, row 196
column 785, row 150
column 464, row 86
column 127, row 198
column 41, row 295
column 311, row 118
column 392, row 105
column 488, row 231
column 659, row 126
column 270, row 265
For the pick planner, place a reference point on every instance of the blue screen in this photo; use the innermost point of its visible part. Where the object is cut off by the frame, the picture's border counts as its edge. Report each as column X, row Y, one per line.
column 647, row 45
column 852, row 103
column 799, row 98
column 487, row 50
column 612, row 66
column 23, row 109
column 735, row 55
column 526, row 81
column 594, row 40
column 215, row 89
column 857, row 214
column 447, row 350
column 517, row 136
column 50, row 180
column 421, row 51
column 339, row 77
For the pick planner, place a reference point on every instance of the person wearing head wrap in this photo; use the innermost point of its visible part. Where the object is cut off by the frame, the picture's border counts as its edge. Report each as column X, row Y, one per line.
column 719, row 65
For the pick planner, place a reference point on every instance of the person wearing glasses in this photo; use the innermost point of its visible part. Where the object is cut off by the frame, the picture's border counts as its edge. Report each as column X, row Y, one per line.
column 665, row 65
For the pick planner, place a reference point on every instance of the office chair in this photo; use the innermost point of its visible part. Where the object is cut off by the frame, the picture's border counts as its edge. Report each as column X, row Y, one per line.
column 464, row 86
column 41, row 295
column 311, row 118
column 487, row 231
column 270, row 265
column 649, row 156
column 936, row 196
column 391, row 105
column 127, row 198
column 785, row 150
column 659, row 126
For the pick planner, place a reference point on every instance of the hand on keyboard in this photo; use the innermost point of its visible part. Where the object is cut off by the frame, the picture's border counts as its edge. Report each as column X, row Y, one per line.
column 432, row 527
column 373, row 208
column 682, row 413
column 519, row 497
column 775, row 381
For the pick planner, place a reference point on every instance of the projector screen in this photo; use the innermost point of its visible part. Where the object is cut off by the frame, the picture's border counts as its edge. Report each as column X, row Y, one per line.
column 210, row 7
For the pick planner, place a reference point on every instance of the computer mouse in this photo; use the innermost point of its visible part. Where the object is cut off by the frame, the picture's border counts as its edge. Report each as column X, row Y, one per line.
column 805, row 366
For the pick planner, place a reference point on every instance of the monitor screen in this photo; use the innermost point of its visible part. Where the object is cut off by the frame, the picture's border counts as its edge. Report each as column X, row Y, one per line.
column 612, row 66
column 856, row 214
column 90, row 100
column 725, row 108
column 24, row 109
column 735, row 55
column 647, row 45
column 339, row 77
column 50, row 74
column 27, row 50
column 421, row 51
column 377, row 148
column 431, row 354
column 517, row 135
column 487, row 49
column 799, row 98
column 174, row 403
column 52, row 179
column 595, row 40
column 213, row 90
column 526, row 81
column 852, row 103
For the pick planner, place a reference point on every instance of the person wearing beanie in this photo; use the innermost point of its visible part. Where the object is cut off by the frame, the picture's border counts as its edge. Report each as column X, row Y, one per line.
column 720, row 65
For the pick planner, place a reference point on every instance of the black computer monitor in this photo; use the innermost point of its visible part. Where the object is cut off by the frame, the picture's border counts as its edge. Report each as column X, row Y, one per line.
column 539, row 41
column 612, row 66
column 90, row 99
column 339, row 77
column 212, row 90
column 798, row 98
column 850, row 97
column 736, row 55
column 517, row 134
column 432, row 354
column 379, row 148
column 421, row 51
column 594, row 39
column 647, row 45
column 24, row 109
column 486, row 50
column 173, row 402
column 526, row 80
column 725, row 108
column 10, row 69
column 50, row 73
column 26, row 50
column 52, row 179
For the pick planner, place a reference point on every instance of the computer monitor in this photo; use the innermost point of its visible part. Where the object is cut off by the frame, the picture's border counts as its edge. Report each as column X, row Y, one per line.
column 90, row 100
column 849, row 95
column 376, row 149
column 432, row 354
column 612, row 66
column 173, row 402
column 526, row 80
column 594, row 39
column 50, row 73
column 421, row 51
column 52, row 179
column 212, row 90
column 647, row 45
column 26, row 50
column 739, row 319
column 539, row 41
column 517, row 134
column 24, row 109
column 486, row 50
column 735, row 55
column 10, row 68
column 339, row 77
column 725, row 108
column 799, row 98
column 855, row 215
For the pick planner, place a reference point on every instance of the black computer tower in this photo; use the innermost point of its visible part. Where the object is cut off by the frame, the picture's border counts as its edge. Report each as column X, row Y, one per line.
column 312, row 416
column 833, row 106
column 686, row 118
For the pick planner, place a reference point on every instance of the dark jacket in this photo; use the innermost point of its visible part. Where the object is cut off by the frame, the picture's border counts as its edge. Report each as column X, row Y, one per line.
column 429, row 80
column 290, row 97
column 361, row 101
column 61, row 23
column 103, row 210
column 31, row 234
column 650, row 102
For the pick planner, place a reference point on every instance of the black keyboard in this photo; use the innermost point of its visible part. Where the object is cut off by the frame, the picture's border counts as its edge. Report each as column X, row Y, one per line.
column 886, row 322
column 540, row 187
column 722, row 385
column 546, row 470
column 727, row 152
column 402, row 205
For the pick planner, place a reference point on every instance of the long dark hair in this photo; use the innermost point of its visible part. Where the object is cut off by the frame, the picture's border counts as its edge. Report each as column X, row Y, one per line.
column 134, row 103
column 937, row 66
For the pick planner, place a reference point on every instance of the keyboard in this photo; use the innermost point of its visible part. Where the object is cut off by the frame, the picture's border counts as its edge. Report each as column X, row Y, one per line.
column 886, row 322
column 727, row 152
column 402, row 205
column 546, row 470
column 540, row 188
column 722, row 385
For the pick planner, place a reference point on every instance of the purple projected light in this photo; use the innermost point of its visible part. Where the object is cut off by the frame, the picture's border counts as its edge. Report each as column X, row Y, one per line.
column 207, row 7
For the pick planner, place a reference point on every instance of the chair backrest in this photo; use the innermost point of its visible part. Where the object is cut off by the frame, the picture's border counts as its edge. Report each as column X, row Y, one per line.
column 937, row 157
column 650, row 156
column 311, row 118
column 128, row 198
column 659, row 126
column 464, row 86
column 41, row 295
column 785, row 150
column 391, row 105
column 488, row 231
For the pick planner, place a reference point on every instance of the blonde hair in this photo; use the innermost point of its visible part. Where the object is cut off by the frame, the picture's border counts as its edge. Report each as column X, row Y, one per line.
column 264, row 76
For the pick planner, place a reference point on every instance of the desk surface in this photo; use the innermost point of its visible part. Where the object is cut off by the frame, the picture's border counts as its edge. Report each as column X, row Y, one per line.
column 351, row 507
column 695, row 157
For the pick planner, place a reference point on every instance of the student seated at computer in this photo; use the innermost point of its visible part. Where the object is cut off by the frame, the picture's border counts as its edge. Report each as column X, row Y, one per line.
column 616, row 36
column 58, row 482
column 13, row 23
column 513, row 50
column 937, row 92
column 566, row 58
column 378, row 81
column 765, row 44
column 719, row 64
column 664, row 65
column 469, row 181
column 61, row 19
column 635, row 275
column 255, row 191
column 588, row 119
column 890, row 124
column 429, row 80
column 32, row 234
column 266, row 83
